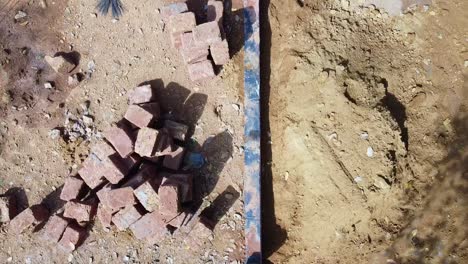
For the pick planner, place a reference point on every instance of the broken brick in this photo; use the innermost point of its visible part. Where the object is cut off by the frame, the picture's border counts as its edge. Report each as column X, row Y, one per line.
column 71, row 188
column 141, row 94
column 147, row 195
column 176, row 130
column 30, row 216
column 201, row 70
column 146, row 141
column 117, row 198
column 126, row 217
column 214, row 11
column 79, row 211
column 54, row 228
column 102, row 150
column 174, row 160
column 207, row 34
column 169, row 198
column 192, row 55
column 71, row 237
column 121, row 141
column 173, row 9
column 138, row 116
column 182, row 22
column 149, row 226
column 91, row 171
column 104, row 215
column 220, row 52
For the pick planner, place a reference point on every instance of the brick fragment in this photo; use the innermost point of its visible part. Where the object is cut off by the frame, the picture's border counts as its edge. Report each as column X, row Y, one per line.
column 192, row 55
column 214, row 11
column 121, row 141
column 79, row 211
column 54, row 228
column 207, row 34
column 71, row 188
column 149, row 226
column 102, row 150
column 126, row 217
column 71, row 238
column 146, row 141
column 117, row 198
column 201, row 70
column 176, row 130
column 147, row 195
column 174, row 160
column 169, row 198
column 220, row 52
column 91, row 171
column 59, row 64
column 141, row 94
column 182, row 22
column 30, row 216
column 138, row 116
column 173, row 9
column 104, row 215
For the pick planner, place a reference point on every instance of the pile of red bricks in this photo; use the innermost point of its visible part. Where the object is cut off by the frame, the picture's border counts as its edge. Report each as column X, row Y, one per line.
column 132, row 180
column 198, row 43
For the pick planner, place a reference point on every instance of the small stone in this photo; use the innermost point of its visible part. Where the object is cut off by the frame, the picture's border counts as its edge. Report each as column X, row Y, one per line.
column 48, row 85
column 88, row 119
column 370, row 152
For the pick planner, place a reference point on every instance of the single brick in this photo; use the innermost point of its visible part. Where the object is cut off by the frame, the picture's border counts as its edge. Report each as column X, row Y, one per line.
column 30, row 216
column 173, row 9
column 192, row 55
column 118, row 198
column 102, row 150
column 176, row 40
column 147, row 196
column 71, row 237
column 54, row 228
column 126, row 217
column 176, row 130
column 121, row 141
column 201, row 70
column 185, row 182
column 79, row 211
column 150, row 225
column 214, row 11
column 207, row 34
column 220, row 52
column 174, row 160
column 71, row 188
column 182, row 22
column 169, row 198
column 147, row 171
column 199, row 234
column 116, row 168
column 91, row 171
column 146, row 141
column 138, row 116
column 104, row 215
column 141, row 94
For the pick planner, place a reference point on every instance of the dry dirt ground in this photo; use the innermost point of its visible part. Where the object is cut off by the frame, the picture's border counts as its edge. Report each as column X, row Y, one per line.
column 114, row 56
column 367, row 115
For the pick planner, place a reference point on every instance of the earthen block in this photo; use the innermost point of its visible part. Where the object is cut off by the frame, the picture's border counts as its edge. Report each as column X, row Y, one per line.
column 54, row 228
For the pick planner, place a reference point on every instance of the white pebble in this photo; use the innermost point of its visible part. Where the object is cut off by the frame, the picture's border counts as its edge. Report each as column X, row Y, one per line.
column 370, row 152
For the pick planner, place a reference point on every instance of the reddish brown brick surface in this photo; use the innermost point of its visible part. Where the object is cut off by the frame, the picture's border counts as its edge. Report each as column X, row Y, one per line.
column 54, row 228
column 79, row 211
column 206, row 34
column 115, row 168
column 183, row 22
column 141, row 94
column 176, row 130
column 117, row 198
column 185, row 182
column 169, row 198
column 179, row 220
column 146, row 141
column 199, row 234
column 220, row 52
column 102, row 149
column 164, row 144
column 138, row 116
column 71, row 238
column 201, row 70
column 126, row 217
column 30, row 216
column 192, row 55
column 91, row 171
column 187, row 41
column 71, row 188
column 121, row 141
column 104, row 215
column 147, row 196
column 174, row 160
column 149, row 226
column 173, row 9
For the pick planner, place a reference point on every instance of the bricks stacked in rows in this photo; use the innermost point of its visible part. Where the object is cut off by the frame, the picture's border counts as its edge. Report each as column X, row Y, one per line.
column 197, row 43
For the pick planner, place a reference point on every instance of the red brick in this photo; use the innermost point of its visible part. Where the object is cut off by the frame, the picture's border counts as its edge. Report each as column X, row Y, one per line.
column 79, row 211
column 116, row 167
column 173, row 9
column 118, row 198
column 141, row 94
column 201, row 70
column 30, row 216
column 220, row 52
column 102, row 150
column 146, row 141
column 126, row 217
column 214, row 11
column 91, row 171
column 185, row 182
column 187, row 41
column 182, row 22
column 149, row 226
column 121, row 141
column 207, row 34
column 71, row 237
column 176, row 40
column 164, row 144
column 71, row 188
column 198, row 235
column 104, row 215
column 169, row 198
column 192, row 55
column 54, row 228
column 174, row 160
column 153, row 108
column 179, row 220
column 147, row 196
column 176, row 130
column 138, row 116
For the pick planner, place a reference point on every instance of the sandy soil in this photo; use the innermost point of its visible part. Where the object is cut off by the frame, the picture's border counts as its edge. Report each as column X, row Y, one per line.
column 367, row 120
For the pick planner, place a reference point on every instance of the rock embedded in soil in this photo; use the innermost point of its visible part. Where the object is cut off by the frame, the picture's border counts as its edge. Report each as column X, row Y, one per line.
column 59, row 64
